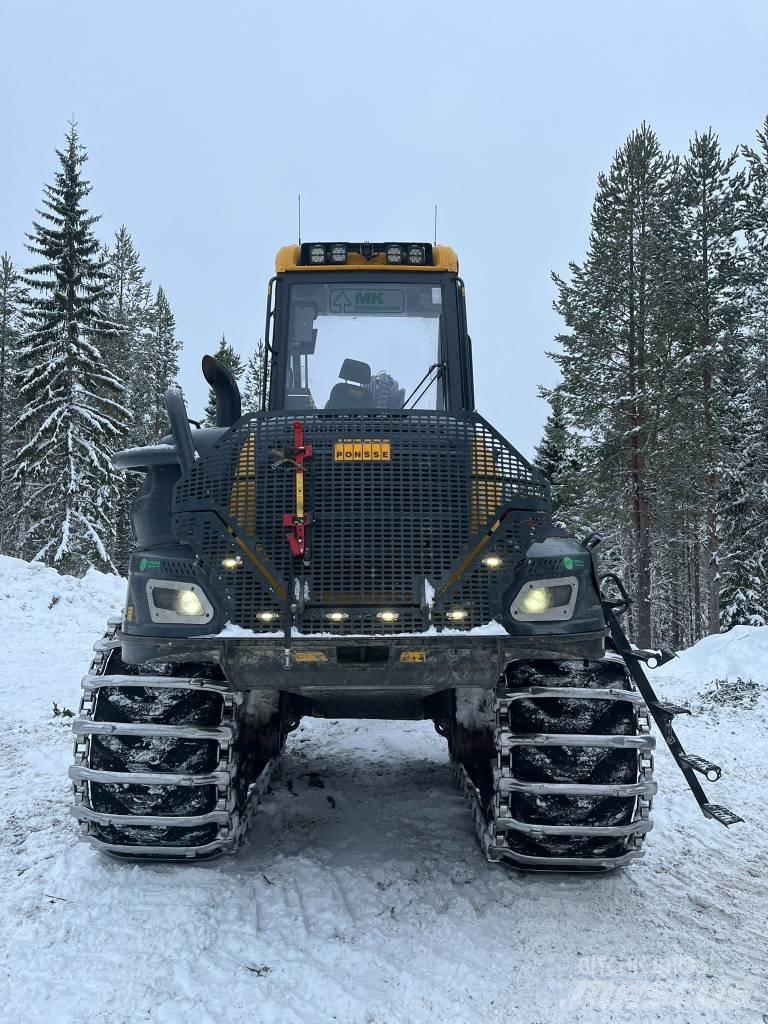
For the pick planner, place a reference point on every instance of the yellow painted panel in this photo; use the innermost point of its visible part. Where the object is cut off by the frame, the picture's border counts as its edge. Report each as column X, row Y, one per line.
column 413, row 657
column 362, row 451
column 242, row 498
column 444, row 259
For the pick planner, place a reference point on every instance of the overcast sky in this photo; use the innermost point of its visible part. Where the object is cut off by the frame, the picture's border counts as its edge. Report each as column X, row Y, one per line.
column 203, row 121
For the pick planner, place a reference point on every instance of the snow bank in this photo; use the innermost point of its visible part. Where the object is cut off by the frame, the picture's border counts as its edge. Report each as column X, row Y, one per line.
column 37, row 600
column 741, row 653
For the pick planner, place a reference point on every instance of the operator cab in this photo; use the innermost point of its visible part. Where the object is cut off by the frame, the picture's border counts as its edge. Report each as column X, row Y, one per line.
column 367, row 326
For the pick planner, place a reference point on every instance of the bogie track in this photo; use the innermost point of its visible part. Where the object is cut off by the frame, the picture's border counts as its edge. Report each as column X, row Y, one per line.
column 570, row 785
column 164, row 768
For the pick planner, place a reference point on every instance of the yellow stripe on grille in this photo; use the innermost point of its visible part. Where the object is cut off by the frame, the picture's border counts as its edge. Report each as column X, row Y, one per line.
column 242, row 496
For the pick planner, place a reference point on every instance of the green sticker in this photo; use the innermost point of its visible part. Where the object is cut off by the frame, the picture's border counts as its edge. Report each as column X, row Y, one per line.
column 573, row 563
column 149, row 563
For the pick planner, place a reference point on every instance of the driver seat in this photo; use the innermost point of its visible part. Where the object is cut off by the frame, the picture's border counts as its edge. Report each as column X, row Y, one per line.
column 354, row 391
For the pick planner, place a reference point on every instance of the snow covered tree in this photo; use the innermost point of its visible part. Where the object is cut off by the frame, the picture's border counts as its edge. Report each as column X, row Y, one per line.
column 12, row 295
column 71, row 414
column 127, row 307
column 558, row 458
column 230, row 358
column 613, row 359
column 711, row 194
column 254, row 378
column 744, row 485
column 160, row 369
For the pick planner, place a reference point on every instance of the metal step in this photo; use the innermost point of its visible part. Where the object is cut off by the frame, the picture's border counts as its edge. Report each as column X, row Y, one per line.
column 700, row 764
column 722, row 814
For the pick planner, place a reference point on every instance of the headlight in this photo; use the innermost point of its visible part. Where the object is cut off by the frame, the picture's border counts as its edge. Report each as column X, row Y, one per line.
column 545, row 600
column 173, row 601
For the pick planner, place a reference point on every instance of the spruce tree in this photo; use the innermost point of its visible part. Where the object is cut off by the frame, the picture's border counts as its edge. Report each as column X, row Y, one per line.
column 160, row 369
column 712, row 195
column 127, row 306
column 226, row 354
column 72, row 413
column 12, row 295
column 614, row 356
column 744, row 535
column 253, row 391
column 558, row 459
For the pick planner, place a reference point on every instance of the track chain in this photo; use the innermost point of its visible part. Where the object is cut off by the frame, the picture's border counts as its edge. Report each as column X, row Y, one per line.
column 497, row 826
column 198, row 801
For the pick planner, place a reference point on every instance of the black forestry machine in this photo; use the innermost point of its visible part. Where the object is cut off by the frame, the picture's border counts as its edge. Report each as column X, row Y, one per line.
column 365, row 546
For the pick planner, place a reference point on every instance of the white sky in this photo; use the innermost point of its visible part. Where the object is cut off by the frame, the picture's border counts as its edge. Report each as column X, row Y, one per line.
column 203, row 121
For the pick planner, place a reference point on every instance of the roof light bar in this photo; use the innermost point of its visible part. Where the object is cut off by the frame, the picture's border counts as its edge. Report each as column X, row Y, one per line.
column 413, row 254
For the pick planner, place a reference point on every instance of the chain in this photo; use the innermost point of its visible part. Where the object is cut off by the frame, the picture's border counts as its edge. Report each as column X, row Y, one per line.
column 233, row 823
column 489, row 816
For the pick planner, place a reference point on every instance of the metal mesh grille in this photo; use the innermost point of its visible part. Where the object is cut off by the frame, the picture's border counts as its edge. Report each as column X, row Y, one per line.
column 378, row 529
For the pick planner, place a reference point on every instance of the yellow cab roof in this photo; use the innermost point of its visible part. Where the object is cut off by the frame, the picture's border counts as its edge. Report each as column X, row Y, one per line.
column 444, row 259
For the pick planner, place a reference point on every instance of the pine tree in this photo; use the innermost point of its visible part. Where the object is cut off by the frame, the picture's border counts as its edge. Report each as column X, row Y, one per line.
column 72, row 412
column 614, row 358
column 230, row 358
column 745, row 506
column 160, row 369
column 712, row 194
column 12, row 295
column 254, row 378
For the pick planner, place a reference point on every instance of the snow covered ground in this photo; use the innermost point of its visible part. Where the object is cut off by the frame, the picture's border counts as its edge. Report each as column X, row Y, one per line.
column 362, row 896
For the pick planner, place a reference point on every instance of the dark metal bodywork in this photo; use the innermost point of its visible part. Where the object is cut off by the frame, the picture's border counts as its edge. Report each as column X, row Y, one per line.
column 413, row 535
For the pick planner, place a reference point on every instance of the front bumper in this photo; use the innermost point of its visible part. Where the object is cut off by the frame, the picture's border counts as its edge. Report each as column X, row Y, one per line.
column 425, row 662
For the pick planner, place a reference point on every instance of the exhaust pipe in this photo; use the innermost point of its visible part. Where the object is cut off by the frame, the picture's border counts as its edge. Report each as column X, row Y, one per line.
column 224, row 385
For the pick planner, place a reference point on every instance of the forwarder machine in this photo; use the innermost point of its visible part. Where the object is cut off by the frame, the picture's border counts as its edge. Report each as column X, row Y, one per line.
column 364, row 546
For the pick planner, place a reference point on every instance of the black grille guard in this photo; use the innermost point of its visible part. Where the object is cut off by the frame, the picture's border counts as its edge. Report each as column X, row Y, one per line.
column 385, row 533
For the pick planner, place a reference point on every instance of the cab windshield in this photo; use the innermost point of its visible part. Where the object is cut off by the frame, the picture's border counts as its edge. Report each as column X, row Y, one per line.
column 364, row 345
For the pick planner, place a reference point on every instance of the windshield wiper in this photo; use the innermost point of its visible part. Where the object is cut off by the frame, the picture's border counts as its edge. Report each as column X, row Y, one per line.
column 435, row 366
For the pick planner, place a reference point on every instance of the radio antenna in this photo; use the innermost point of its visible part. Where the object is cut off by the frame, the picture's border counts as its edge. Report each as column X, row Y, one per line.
column 299, row 218
column 435, row 223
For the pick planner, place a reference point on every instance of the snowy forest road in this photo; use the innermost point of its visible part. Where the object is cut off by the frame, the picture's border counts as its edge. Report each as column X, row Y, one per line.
column 361, row 896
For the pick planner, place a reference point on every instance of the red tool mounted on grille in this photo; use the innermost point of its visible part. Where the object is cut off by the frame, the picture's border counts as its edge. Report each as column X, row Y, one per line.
column 299, row 520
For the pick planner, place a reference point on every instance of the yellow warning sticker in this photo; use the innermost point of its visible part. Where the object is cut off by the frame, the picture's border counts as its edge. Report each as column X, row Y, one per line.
column 413, row 657
column 362, row 451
